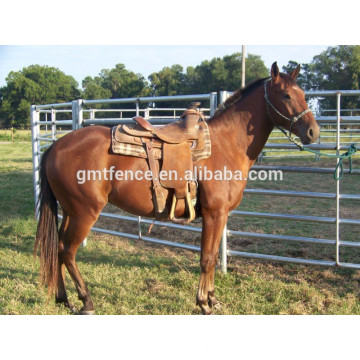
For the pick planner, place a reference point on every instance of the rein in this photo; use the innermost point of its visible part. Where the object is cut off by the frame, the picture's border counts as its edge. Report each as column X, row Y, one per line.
column 347, row 155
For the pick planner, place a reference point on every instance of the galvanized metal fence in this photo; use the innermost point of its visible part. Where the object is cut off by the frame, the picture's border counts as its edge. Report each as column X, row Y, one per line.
column 46, row 127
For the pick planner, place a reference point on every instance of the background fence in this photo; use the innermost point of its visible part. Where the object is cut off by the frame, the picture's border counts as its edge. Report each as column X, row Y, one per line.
column 52, row 121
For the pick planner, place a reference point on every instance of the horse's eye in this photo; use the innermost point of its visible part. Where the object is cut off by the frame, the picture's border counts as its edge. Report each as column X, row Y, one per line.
column 287, row 96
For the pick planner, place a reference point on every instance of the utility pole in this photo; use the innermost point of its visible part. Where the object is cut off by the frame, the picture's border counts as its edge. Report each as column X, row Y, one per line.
column 243, row 67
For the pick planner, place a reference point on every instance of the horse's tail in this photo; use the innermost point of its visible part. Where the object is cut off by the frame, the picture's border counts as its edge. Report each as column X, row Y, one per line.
column 47, row 237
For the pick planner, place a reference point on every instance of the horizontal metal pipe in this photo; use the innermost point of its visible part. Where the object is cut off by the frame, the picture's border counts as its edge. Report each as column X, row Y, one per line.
column 312, row 147
column 350, row 243
column 56, row 122
column 150, row 221
column 63, row 122
column 301, row 169
column 302, row 194
column 43, row 138
column 281, row 258
column 148, row 239
column 291, row 238
column 56, row 111
column 345, row 120
column 332, row 92
column 44, row 146
column 265, row 156
column 349, row 265
column 316, row 219
column 292, row 260
column 115, row 121
column 109, row 121
column 350, row 221
column 52, row 106
column 46, row 135
column 230, row 232
column 147, row 99
column 280, row 237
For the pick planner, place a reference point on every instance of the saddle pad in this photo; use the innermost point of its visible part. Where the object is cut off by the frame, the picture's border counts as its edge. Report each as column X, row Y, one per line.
column 125, row 144
column 203, row 152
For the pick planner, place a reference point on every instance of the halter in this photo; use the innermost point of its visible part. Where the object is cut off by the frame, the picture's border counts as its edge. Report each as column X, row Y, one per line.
column 347, row 155
column 291, row 120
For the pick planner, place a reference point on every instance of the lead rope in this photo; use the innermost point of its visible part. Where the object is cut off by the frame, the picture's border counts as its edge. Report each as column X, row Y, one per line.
column 347, row 155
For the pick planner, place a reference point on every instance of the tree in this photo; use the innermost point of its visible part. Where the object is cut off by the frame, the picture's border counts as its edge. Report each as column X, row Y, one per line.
column 123, row 83
column 33, row 85
column 92, row 89
column 224, row 73
column 168, row 81
column 115, row 83
column 336, row 68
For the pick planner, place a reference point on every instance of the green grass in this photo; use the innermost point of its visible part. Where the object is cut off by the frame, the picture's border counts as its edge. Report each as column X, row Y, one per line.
column 133, row 277
column 15, row 135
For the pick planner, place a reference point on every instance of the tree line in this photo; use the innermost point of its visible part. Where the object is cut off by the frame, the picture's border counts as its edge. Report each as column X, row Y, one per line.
column 336, row 68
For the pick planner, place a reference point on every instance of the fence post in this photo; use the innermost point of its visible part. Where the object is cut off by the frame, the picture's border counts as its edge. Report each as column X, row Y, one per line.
column 53, row 126
column 80, row 114
column 213, row 103
column 77, row 123
column 137, row 108
column 338, row 98
column 35, row 132
column 223, row 251
column 74, row 114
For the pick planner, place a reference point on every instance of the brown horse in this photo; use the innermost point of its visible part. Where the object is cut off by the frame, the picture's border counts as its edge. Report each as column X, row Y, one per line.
column 239, row 131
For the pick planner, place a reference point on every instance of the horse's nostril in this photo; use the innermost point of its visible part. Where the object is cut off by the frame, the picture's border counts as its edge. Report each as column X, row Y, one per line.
column 311, row 133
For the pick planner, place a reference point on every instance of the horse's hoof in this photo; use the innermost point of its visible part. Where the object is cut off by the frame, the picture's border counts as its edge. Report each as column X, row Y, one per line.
column 214, row 303
column 206, row 311
column 86, row 312
column 67, row 304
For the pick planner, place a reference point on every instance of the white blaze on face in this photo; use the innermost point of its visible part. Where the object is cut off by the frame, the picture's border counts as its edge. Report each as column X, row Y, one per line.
column 295, row 88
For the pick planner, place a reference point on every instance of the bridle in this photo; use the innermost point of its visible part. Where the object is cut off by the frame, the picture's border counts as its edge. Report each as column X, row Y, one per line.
column 291, row 120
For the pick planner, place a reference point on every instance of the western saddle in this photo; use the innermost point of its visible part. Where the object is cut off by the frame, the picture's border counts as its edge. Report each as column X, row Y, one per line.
column 174, row 147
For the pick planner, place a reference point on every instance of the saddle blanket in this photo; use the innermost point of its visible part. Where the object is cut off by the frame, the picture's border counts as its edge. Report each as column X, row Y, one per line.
column 124, row 144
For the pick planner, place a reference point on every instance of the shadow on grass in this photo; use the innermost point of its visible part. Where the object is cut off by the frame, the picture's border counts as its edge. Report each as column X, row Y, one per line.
column 137, row 260
column 21, row 160
column 26, row 245
column 18, row 274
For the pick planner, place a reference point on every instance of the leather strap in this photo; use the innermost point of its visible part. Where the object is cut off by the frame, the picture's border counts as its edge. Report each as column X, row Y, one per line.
column 160, row 196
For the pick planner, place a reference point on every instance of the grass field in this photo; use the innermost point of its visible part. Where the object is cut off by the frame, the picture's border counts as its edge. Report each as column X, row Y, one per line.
column 132, row 277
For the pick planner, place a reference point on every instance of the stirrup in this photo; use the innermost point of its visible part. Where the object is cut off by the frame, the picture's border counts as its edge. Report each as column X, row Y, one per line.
column 190, row 207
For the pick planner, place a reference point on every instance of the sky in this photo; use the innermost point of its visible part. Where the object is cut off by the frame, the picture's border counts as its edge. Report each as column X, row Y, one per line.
column 89, row 60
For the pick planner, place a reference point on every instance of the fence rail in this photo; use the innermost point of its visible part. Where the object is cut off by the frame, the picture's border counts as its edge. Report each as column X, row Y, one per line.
column 81, row 113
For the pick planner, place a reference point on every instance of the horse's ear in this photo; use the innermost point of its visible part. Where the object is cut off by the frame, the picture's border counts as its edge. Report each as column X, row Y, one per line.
column 295, row 73
column 275, row 72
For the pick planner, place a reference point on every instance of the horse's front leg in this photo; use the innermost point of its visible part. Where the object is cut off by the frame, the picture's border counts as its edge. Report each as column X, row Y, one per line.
column 213, row 225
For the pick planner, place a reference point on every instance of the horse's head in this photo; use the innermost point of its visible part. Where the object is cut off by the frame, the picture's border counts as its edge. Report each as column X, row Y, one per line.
column 287, row 106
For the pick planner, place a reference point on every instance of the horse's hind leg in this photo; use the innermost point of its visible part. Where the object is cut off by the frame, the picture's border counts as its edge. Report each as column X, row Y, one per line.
column 60, row 295
column 76, row 231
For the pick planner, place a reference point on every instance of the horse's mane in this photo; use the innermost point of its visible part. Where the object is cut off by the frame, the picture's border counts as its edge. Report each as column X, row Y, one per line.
column 238, row 95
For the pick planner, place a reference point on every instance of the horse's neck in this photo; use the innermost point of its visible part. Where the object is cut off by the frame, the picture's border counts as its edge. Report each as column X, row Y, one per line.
column 246, row 127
